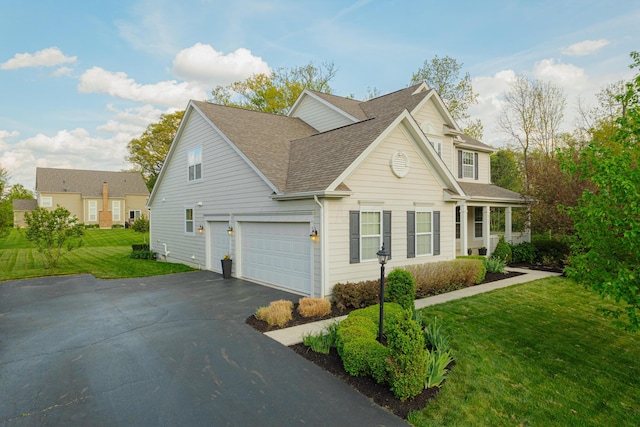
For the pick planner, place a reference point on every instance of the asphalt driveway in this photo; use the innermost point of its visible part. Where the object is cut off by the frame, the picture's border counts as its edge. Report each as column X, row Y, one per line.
column 161, row 351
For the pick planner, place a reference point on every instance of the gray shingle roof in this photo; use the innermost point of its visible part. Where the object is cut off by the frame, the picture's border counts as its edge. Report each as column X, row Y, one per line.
column 475, row 143
column 489, row 191
column 264, row 138
column 394, row 102
column 349, row 106
column 24, row 204
column 89, row 182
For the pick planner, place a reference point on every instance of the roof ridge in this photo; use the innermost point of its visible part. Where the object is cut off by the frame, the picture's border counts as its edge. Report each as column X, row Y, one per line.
column 242, row 109
column 392, row 93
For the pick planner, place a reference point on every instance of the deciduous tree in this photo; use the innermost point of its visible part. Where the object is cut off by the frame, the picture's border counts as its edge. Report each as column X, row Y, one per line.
column 53, row 232
column 456, row 90
column 606, row 255
column 276, row 92
column 148, row 151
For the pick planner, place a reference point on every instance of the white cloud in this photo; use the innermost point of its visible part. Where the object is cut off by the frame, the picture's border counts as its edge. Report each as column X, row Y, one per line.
column 204, row 64
column 566, row 76
column 490, row 92
column 48, row 57
column 167, row 93
column 63, row 71
column 586, row 47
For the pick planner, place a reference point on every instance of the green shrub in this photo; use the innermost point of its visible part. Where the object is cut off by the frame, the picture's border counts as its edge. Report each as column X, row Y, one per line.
column 354, row 327
column 322, row 341
column 117, row 226
column 401, row 288
column 356, row 295
column 140, row 247
column 551, row 251
column 495, row 265
column 408, row 361
column 436, row 367
column 523, row 252
column 143, row 254
column 434, row 337
column 502, row 251
column 393, row 313
column 362, row 355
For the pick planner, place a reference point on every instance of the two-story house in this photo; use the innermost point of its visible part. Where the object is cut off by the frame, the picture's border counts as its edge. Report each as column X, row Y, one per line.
column 305, row 201
column 95, row 197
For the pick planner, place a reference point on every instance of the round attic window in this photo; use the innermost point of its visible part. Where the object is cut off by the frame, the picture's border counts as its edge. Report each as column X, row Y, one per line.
column 400, row 164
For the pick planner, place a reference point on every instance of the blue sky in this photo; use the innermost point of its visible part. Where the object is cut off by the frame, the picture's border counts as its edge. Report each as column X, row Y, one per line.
column 79, row 79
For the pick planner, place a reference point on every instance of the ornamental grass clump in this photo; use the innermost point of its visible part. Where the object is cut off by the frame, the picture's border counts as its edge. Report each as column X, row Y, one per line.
column 277, row 313
column 314, row 307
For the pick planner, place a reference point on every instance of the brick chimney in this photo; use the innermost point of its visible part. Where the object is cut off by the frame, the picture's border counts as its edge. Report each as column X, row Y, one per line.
column 105, row 214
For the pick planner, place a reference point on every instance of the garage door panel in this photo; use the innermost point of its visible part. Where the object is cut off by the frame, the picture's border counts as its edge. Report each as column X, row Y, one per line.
column 278, row 254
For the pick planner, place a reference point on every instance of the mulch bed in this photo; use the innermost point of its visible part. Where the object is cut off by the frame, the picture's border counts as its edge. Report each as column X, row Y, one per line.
column 366, row 386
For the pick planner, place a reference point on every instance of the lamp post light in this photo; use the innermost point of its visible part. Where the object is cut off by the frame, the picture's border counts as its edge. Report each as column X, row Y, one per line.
column 383, row 256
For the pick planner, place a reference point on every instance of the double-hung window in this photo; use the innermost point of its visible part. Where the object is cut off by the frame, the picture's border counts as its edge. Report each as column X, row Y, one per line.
column 188, row 220
column 115, row 210
column 93, row 210
column 468, row 164
column 194, row 159
column 368, row 230
column 46, row 202
column 437, row 145
column 424, row 233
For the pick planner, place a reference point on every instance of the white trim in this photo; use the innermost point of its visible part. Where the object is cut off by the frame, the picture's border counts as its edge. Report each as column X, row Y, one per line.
column 472, row 165
column 46, row 205
column 115, row 211
column 95, row 210
column 186, row 220
column 430, row 233
column 380, row 232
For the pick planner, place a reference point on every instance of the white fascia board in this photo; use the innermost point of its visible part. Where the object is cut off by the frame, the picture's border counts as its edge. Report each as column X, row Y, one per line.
column 323, row 102
column 472, row 147
column 311, row 194
column 238, row 151
column 172, row 149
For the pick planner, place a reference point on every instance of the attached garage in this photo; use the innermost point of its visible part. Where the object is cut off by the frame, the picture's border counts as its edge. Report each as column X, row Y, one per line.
column 276, row 253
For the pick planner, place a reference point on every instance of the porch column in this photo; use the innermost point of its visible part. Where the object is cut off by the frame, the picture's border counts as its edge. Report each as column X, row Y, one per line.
column 464, row 243
column 507, row 225
column 486, row 228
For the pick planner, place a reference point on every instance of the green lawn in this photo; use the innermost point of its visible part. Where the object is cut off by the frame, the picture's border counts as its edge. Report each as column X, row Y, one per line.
column 105, row 254
column 535, row 354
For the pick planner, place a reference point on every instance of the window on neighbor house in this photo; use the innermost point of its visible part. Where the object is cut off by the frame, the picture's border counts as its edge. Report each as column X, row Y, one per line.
column 115, row 210
column 477, row 221
column 424, row 233
column 188, row 220
column 468, row 164
column 46, row 202
column 133, row 215
column 457, row 222
column 194, row 158
column 93, row 210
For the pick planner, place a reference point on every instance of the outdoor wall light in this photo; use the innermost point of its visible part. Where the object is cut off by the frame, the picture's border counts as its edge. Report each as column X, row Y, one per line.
column 201, row 229
column 314, row 234
column 230, row 230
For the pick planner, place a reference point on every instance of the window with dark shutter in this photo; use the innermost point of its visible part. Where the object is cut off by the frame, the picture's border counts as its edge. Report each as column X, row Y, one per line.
column 459, row 163
column 436, row 232
column 411, row 234
column 386, row 233
column 475, row 164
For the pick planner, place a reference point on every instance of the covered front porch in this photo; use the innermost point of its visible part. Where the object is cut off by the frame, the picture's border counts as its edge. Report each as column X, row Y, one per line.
column 487, row 213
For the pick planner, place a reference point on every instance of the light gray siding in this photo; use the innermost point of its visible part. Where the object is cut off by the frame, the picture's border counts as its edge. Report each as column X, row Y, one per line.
column 319, row 115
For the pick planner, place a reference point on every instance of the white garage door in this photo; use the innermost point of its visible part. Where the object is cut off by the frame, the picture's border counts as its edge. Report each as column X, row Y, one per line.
column 219, row 243
column 277, row 254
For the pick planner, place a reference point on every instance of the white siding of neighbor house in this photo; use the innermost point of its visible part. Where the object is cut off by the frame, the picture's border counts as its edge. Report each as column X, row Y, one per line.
column 374, row 183
column 319, row 115
column 229, row 190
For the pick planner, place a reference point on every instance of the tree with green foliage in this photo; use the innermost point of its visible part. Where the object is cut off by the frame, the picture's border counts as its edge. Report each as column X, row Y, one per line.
column 17, row 191
column 276, row 92
column 505, row 172
column 606, row 254
column 443, row 75
column 141, row 225
column 149, row 151
column 6, row 208
column 52, row 232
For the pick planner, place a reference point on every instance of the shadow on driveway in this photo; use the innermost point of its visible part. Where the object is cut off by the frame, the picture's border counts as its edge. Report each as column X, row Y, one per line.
column 158, row 351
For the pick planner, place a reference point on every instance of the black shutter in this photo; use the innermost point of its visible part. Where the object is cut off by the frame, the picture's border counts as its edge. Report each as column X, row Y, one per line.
column 436, row 232
column 459, row 163
column 354, row 237
column 475, row 164
column 386, row 231
column 411, row 234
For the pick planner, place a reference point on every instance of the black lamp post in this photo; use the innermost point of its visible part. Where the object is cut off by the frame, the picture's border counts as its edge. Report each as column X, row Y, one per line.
column 383, row 256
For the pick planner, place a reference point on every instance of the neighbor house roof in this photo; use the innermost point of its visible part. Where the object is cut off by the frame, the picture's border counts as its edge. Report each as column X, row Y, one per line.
column 89, row 182
column 24, row 204
column 489, row 192
column 394, row 102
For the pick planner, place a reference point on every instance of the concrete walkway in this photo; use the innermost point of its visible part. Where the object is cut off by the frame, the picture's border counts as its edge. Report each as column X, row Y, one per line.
column 294, row 335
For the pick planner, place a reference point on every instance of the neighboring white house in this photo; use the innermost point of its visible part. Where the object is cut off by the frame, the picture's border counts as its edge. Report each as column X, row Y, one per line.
column 258, row 187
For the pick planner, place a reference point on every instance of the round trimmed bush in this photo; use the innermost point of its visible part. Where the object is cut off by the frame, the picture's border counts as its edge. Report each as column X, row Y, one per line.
column 502, row 251
column 401, row 288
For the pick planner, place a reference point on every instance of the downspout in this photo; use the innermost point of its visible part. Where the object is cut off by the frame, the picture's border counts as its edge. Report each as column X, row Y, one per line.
column 323, row 246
